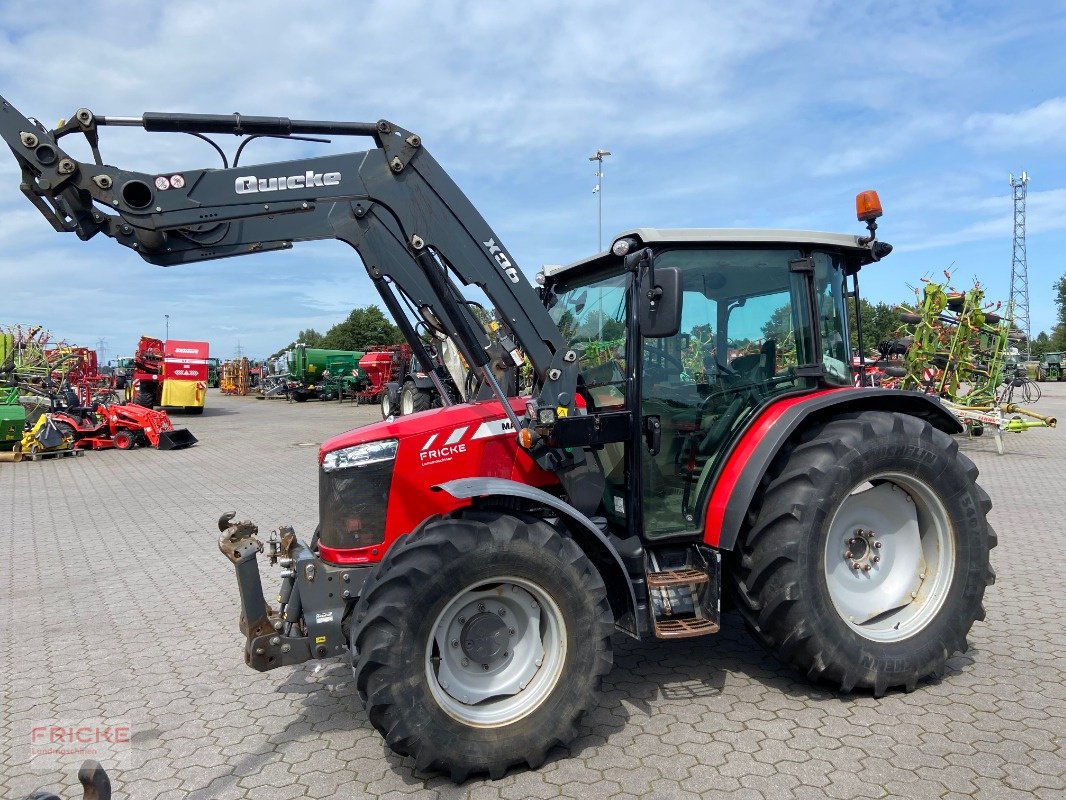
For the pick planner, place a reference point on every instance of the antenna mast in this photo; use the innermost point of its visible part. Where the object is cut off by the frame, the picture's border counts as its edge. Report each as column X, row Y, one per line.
column 1019, row 269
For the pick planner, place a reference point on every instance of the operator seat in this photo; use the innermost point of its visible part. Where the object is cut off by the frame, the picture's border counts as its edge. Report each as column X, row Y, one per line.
column 87, row 414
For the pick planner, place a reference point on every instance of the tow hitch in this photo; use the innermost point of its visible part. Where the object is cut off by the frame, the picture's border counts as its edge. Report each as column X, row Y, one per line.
column 312, row 603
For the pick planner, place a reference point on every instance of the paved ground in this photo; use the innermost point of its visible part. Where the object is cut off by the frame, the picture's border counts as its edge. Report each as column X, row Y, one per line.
column 115, row 604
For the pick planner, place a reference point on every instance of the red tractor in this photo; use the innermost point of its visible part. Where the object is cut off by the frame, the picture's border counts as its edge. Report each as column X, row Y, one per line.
column 102, row 426
column 693, row 433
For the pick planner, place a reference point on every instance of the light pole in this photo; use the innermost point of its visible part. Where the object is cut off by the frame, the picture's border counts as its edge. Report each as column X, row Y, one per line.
column 598, row 157
column 167, row 318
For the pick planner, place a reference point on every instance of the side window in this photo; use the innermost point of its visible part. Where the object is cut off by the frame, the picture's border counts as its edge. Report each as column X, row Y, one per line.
column 832, row 318
column 592, row 319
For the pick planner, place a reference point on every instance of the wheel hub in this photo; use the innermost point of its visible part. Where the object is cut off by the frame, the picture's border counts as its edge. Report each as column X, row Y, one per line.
column 489, row 643
column 484, row 637
column 861, row 550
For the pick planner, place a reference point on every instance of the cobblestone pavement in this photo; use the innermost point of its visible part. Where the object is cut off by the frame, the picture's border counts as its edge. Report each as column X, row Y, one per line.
column 115, row 603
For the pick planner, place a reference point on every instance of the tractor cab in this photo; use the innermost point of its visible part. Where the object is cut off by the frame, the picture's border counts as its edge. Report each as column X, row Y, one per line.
column 763, row 314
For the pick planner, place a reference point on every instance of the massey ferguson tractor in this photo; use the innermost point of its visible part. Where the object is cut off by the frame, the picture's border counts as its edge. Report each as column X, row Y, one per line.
column 693, row 432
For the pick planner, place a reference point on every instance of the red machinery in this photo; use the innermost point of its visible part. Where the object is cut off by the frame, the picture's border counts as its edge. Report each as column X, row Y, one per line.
column 171, row 374
column 121, row 425
column 383, row 364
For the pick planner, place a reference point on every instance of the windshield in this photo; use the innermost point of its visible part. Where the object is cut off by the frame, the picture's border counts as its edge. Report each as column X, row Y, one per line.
column 591, row 315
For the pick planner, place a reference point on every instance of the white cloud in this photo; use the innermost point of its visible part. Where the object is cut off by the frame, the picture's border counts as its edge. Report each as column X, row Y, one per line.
column 1043, row 125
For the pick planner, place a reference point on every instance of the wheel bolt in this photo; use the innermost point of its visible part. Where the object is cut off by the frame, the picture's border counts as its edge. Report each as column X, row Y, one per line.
column 455, row 642
column 462, row 620
column 877, row 545
column 485, row 667
column 505, row 654
column 503, row 612
column 876, row 559
column 855, row 565
column 847, row 554
column 480, row 606
column 466, row 662
column 865, row 567
column 511, row 631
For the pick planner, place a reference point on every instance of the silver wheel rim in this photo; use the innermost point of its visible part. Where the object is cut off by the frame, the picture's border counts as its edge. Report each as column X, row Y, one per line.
column 385, row 406
column 890, row 557
column 495, row 652
column 407, row 403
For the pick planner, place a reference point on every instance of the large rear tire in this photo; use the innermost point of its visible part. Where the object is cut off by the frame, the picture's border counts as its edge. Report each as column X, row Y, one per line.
column 480, row 641
column 868, row 556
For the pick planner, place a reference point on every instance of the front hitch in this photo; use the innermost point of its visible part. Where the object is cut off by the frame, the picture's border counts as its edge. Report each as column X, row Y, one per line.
column 265, row 647
column 313, row 600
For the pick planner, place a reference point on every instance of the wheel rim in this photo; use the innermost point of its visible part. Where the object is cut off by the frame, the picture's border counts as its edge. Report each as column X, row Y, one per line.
column 386, row 409
column 495, row 652
column 889, row 557
column 407, row 403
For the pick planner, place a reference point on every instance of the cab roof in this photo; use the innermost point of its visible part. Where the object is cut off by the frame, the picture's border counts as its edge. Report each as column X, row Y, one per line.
column 719, row 236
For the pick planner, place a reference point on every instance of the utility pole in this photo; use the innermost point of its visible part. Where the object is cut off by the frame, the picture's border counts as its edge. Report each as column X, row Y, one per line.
column 1019, row 268
column 167, row 318
column 598, row 157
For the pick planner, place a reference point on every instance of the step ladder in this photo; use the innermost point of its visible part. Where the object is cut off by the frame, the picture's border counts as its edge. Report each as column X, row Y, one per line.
column 685, row 602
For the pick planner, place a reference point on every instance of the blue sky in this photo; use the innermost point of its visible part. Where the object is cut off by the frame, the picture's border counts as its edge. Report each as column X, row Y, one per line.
column 764, row 114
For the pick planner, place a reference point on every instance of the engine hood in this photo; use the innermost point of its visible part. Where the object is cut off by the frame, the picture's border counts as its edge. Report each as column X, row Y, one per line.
column 424, row 424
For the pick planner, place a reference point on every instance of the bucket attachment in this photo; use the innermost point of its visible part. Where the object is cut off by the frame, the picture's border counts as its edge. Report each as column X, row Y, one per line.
column 176, row 439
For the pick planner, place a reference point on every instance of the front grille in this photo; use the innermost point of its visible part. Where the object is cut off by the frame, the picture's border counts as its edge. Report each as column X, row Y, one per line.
column 352, row 504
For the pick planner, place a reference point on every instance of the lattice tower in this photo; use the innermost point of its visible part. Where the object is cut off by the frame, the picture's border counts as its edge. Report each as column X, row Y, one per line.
column 1019, row 269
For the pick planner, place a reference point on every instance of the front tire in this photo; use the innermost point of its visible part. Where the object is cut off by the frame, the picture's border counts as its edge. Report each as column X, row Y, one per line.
column 413, row 399
column 480, row 641
column 895, row 597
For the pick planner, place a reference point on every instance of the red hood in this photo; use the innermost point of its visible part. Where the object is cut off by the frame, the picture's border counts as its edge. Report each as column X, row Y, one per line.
column 423, row 423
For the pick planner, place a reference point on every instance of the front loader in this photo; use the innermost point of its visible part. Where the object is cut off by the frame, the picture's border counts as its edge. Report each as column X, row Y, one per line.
column 693, row 429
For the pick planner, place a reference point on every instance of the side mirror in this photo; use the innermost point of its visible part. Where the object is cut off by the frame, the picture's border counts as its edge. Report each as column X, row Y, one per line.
column 659, row 303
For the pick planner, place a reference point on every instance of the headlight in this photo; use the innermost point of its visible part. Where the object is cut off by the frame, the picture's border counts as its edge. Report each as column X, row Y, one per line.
column 360, row 455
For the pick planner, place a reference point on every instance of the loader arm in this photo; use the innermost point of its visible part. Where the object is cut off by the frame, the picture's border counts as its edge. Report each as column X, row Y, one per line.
column 412, row 226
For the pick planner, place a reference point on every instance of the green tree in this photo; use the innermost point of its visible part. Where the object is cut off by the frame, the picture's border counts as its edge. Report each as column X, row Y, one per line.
column 1058, row 333
column 309, row 337
column 880, row 323
column 363, row 328
column 1041, row 344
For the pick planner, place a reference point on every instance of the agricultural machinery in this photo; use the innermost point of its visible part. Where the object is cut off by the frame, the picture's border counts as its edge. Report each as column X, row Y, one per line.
column 692, row 431
column 172, row 374
column 958, row 348
column 1050, row 367
column 323, row 374
column 121, row 425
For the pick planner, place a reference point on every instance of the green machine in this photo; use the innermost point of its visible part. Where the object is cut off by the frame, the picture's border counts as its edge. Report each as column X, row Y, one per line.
column 12, row 413
column 321, row 373
column 1050, row 367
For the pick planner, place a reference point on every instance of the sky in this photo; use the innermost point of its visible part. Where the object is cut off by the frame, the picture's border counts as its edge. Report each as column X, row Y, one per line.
column 760, row 114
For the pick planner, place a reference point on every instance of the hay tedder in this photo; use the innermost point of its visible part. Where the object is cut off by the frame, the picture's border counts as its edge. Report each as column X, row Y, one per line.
column 957, row 348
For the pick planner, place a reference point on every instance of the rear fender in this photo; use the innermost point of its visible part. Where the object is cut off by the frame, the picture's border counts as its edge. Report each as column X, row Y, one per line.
column 739, row 477
column 582, row 530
